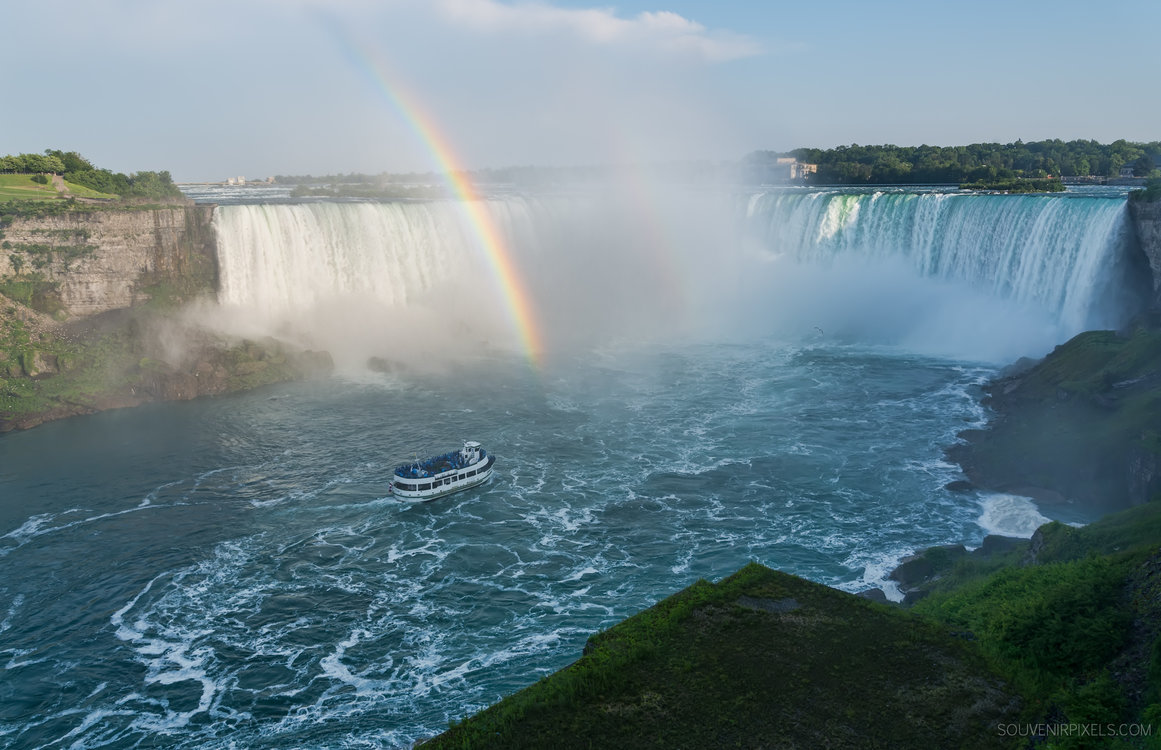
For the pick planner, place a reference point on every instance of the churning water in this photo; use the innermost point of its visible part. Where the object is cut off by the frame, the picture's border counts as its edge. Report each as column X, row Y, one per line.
column 232, row 573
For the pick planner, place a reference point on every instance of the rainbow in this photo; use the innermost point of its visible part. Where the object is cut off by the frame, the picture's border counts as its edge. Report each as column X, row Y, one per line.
column 517, row 299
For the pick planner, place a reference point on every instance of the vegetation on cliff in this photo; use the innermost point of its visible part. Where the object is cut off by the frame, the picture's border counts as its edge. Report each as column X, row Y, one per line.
column 50, row 370
column 56, row 362
column 759, row 659
column 1051, row 642
column 83, row 179
column 1081, row 427
column 1151, row 193
column 1007, row 650
column 1071, row 619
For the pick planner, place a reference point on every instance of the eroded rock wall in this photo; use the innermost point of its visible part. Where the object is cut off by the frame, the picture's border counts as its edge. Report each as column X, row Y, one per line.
column 1147, row 224
column 97, row 261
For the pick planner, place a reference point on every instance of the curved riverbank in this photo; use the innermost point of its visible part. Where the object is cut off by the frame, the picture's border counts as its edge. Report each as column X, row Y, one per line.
column 1079, row 429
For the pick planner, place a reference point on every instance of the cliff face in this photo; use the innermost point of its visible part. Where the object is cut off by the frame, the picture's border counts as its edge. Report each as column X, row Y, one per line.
column 61, row 356
column 1146, row 218
column 82, row 263
column 1080, row 428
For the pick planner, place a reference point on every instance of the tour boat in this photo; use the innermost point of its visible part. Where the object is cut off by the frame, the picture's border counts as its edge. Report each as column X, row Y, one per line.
column 442, row 475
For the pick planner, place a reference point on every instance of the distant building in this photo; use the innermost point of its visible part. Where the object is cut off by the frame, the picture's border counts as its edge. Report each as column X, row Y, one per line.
column 789, row 168
column 801, row 169
column 1127, row 171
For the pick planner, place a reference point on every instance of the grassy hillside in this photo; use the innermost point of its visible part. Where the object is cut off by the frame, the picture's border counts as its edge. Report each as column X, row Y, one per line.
column 1084, row 423
column 22, row 187
column 1062, row 634
column 1072, row 621
column 760, row 659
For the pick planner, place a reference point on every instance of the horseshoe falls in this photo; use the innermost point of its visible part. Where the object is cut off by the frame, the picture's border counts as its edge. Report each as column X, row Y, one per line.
column 725, row 378
column 984, row 277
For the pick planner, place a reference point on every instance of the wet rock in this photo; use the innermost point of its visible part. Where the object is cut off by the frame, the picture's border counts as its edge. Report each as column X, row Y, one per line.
column 926, row 566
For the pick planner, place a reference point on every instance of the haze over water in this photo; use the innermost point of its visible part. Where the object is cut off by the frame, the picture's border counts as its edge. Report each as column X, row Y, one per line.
column 773, row 377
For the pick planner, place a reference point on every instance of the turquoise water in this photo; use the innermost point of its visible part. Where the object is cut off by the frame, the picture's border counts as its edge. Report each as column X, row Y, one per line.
column 770, row 377
column 231, row 572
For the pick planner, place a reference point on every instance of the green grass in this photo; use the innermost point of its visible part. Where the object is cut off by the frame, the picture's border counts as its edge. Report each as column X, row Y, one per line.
column 122, row 365
column 1056, row 618
column 86, row 192
column 760, row 659
column 1071, row 423
column 764, row 659
column 1045, row 625
column 20, row 187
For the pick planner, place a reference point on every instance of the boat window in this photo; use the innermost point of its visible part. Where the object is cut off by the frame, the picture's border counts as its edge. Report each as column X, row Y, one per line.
column 471, row 473
column 425, row 486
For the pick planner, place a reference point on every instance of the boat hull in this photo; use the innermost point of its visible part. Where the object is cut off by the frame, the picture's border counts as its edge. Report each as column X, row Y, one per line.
column 433, row 488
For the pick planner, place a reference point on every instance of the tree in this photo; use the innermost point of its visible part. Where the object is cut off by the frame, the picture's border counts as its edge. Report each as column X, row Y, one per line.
column 1143, row 166
column 71, row 161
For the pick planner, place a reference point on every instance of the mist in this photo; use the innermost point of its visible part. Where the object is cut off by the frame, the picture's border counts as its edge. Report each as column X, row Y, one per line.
column 410, row 286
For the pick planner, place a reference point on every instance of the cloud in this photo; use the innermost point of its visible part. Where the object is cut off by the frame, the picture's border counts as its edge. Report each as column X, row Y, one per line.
column 665, row 31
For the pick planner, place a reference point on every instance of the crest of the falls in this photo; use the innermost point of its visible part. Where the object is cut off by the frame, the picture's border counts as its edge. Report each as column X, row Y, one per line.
column 964, row 275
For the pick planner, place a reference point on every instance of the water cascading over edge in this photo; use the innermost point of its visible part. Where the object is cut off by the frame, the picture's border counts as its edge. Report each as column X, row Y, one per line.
column 599, row 263
column 1063, row 254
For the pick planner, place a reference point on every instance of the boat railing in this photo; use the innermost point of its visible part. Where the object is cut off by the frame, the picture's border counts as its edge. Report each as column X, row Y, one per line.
column 436, row 465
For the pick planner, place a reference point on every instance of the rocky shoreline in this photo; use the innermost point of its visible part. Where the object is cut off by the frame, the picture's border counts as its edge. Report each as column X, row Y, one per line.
column 1079, row 428
column 1076, row 432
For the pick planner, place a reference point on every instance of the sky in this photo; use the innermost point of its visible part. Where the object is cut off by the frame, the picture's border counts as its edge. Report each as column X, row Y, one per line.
column 219, row 88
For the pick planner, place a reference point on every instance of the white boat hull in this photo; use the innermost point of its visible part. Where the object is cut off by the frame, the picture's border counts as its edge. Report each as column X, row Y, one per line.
column 441, row 485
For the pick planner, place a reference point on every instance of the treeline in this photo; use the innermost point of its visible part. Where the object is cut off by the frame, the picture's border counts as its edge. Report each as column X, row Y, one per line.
column 983, row 163
column 979, row 162
column 522, row 175
column 527, row 175
column 78, row 170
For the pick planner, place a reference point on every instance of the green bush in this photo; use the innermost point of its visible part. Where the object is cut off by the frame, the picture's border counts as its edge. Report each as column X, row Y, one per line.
column 1149, row 194
column 1043, row 625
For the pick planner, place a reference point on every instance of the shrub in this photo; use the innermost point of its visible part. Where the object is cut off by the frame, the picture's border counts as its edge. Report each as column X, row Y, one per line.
column 1149, row 194
column 1043, row 625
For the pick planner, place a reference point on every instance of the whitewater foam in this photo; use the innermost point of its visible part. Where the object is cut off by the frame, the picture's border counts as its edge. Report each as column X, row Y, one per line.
column 1010, row 515
column 331, row 610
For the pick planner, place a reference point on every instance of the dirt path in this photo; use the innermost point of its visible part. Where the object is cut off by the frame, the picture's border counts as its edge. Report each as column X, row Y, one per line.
column 59, row 183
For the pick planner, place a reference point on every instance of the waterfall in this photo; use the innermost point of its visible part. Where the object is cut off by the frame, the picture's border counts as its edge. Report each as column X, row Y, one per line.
column 1058, row 253
column 282, row 257
column 909, row 267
